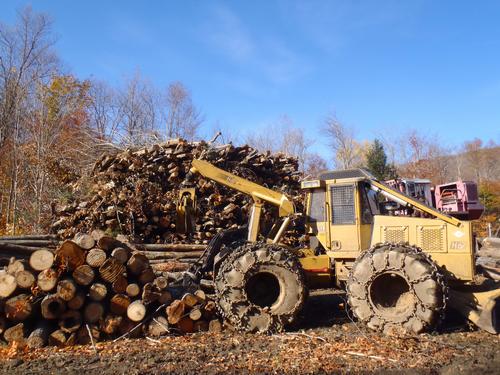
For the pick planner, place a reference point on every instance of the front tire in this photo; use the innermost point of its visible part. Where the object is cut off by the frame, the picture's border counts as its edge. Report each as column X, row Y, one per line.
column 396, row 286
column 260, row 288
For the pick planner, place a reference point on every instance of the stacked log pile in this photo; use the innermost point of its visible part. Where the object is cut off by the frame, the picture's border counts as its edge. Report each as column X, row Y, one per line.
column 135, row 193
column 488, row 257
column 94, row 287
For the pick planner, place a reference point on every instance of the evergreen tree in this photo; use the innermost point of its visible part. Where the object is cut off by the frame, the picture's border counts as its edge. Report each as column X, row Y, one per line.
column 376, row 162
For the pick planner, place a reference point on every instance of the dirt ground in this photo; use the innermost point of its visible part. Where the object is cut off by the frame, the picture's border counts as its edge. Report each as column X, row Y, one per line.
column 326, row 341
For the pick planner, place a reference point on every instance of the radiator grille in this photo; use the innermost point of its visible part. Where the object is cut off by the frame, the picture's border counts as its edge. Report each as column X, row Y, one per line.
column 432, row 238
column 395, row 234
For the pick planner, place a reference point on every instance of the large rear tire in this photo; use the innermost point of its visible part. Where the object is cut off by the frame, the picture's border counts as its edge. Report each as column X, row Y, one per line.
column 397, row 287
column 260, row 288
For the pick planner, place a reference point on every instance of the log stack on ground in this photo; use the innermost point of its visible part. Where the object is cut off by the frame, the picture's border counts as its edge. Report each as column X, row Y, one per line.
column 488, row 257
column 135, row 193
column 109, row 292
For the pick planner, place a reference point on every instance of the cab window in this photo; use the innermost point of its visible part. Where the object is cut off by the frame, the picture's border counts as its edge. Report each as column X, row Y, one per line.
column 317, row 205
column 342, row 198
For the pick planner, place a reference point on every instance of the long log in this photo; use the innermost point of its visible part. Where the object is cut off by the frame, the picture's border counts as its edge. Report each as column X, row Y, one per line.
column 18, row 249
column 173, row 247
column 111, row 270
column 158, row 326
column 59, row 338
column 30, row 243
column 97, row 292
column 70, row 255
column 30, row 237
column 85, row 241
column 120, row 285
column 171, row 255
column 137, row 263
column 175, row 311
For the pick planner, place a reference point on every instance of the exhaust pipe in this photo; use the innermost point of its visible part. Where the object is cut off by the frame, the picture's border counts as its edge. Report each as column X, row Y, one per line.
column 480, row 304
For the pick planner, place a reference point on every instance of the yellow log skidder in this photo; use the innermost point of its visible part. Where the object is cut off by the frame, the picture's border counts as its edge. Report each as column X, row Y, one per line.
column 399, row 272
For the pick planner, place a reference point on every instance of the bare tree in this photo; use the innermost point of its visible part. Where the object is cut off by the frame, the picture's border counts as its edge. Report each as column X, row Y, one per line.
column 283, row 137
column 26, row 59
column 424, row 156
column 105, row 112
column 138, row 106
column 182, row 118
column 348, row 153
column 315, row 165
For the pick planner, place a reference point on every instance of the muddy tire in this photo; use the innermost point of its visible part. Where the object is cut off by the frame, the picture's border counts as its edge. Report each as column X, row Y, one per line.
column 260, row 288
column 397, row 287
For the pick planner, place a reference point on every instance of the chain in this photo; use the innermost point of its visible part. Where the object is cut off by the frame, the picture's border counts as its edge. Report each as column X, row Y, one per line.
column 407, row 249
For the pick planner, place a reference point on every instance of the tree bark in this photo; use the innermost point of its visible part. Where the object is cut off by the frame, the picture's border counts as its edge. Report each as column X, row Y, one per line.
column 40, row 335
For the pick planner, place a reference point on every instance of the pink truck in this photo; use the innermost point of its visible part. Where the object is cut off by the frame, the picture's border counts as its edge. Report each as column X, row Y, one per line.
column 459, row 199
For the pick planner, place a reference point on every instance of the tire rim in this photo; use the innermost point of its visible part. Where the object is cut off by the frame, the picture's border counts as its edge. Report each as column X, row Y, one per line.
column 263, row 289
column 390, row 294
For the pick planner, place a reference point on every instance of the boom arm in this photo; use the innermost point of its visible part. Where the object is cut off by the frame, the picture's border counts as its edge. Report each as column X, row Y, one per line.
column 408, row 201
column 257, row 192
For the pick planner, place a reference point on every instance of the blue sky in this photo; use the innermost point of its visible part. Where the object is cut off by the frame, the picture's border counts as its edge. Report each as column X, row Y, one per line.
column 381, row 66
